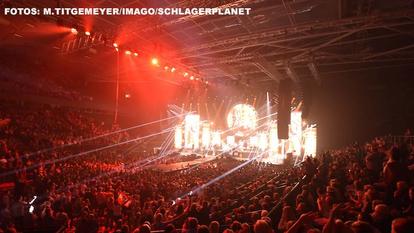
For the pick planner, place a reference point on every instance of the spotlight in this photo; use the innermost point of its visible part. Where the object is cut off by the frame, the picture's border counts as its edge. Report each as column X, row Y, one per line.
column 166, row 67
column 136, row 54
column 128, row 52
column 115, row 45
column 185, row 74
column 192, row 78
column 127, row 96
column 154, row 61
column 117, row 49
column 206, row 82
column 172, row 69
column 74, row 31
column 87, row 33
column 197, row 79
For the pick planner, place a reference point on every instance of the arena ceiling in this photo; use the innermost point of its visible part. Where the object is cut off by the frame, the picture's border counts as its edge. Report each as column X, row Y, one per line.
column 297, row 39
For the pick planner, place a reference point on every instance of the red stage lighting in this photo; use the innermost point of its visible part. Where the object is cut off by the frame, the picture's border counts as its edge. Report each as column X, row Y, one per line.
column 87, row 33
column 166, row 68
column 115, row 45
column 154, row 61
column 74, row 31
column 128, row 52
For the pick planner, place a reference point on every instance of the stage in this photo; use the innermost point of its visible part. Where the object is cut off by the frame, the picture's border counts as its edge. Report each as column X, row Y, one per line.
column 249, row 133
column 170, row 167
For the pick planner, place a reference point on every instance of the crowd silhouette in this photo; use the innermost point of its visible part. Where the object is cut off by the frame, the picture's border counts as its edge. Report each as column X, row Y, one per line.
column 361, row 188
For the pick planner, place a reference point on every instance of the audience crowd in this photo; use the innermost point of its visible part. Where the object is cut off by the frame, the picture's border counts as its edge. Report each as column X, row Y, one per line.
column 361, row 188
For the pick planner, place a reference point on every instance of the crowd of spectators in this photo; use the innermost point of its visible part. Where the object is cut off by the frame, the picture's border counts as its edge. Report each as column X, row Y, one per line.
column 33, row 83
column 27, row 129
column 360, row 188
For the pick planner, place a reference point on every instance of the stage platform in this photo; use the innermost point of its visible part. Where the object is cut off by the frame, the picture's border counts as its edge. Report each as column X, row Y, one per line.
column 180, row 165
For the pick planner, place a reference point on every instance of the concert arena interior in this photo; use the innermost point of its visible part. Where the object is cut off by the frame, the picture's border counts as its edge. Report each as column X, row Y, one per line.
column 207, row 116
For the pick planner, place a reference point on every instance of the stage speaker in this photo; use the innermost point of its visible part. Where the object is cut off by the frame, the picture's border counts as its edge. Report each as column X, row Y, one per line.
column 283, row 110
column 306, row 99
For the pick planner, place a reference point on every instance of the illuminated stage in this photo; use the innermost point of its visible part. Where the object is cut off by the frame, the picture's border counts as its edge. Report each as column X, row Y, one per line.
column 247, row 136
